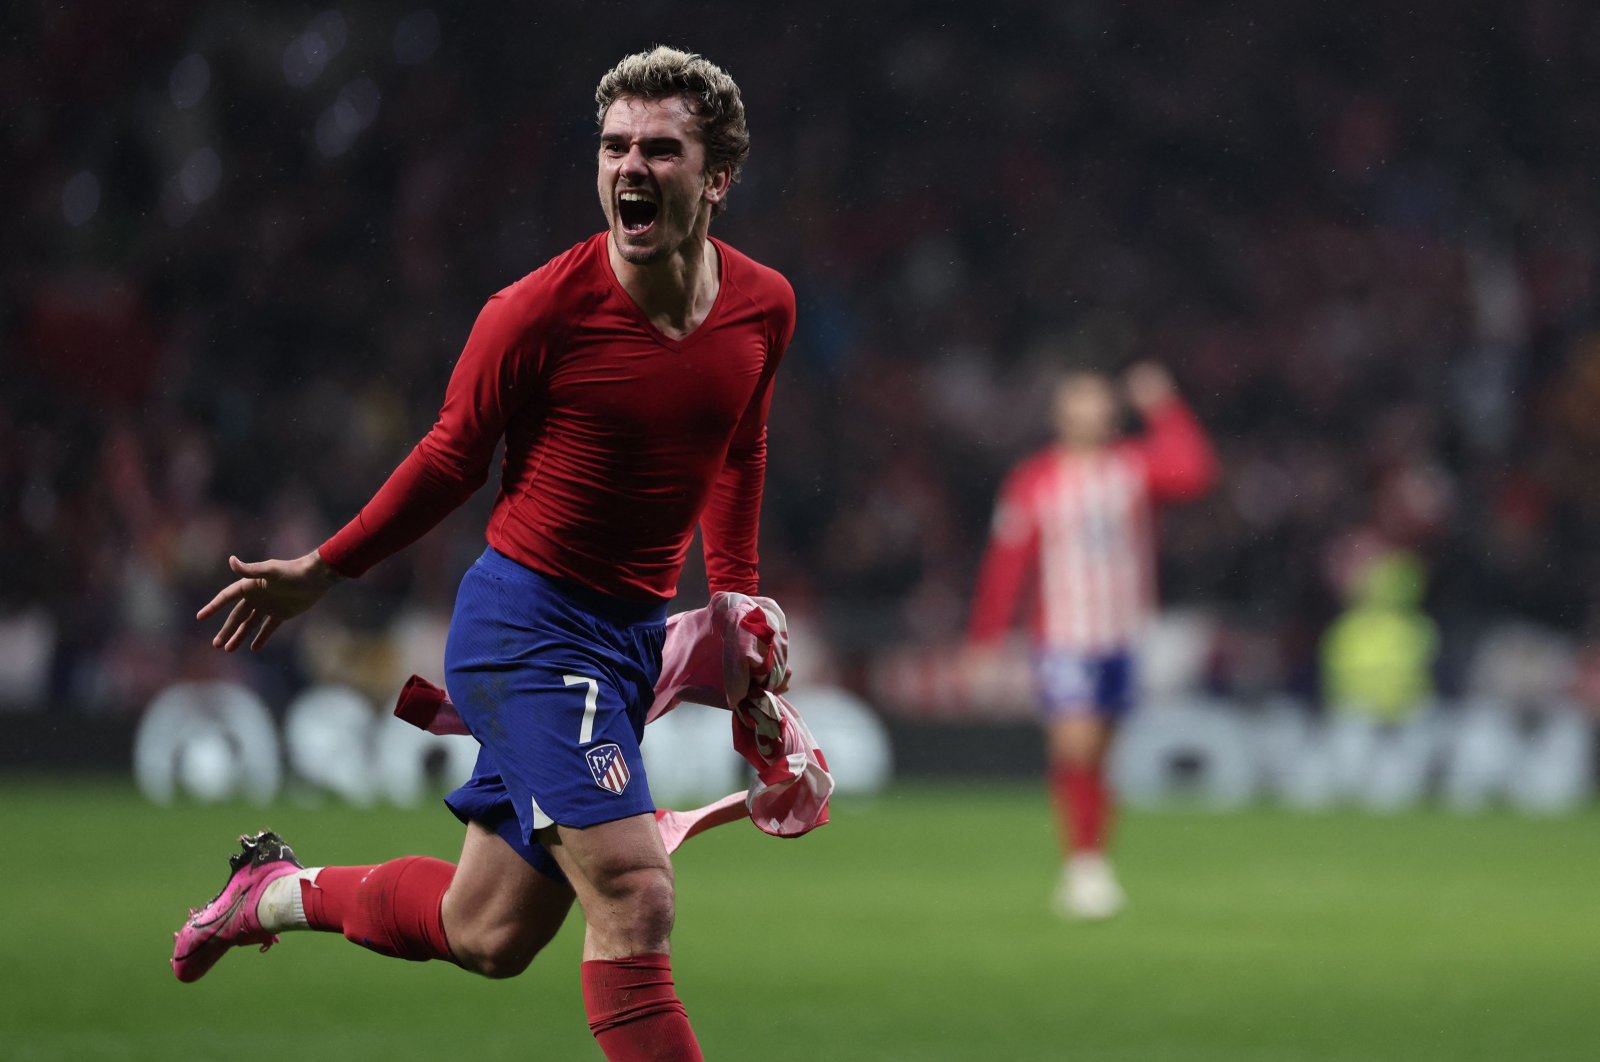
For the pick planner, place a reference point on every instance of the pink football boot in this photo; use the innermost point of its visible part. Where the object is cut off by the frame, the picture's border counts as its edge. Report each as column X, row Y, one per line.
column 230, row 921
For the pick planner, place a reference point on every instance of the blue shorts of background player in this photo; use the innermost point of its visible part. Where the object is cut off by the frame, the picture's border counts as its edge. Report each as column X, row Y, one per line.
column 554, row 680
column 1072, row 683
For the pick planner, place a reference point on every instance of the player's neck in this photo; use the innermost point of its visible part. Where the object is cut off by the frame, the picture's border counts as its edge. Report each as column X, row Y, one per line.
column 676, row 293
column 1081, row 447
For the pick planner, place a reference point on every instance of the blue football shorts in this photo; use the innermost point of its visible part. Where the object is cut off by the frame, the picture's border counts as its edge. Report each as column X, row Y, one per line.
column 1073, row 683
column 554, row 680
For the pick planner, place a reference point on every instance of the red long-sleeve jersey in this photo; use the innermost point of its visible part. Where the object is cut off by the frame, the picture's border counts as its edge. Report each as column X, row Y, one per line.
column 619, row 440
column 1072, row 532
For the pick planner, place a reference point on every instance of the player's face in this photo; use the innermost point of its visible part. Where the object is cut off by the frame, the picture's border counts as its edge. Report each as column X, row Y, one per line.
column 653, row 182
column 1086, row 411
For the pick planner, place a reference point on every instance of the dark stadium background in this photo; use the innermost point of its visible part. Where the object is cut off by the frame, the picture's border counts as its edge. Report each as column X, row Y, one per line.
column 243, row 243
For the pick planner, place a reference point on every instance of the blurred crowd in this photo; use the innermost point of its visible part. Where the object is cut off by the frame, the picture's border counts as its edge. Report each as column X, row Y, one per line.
column 244, row 243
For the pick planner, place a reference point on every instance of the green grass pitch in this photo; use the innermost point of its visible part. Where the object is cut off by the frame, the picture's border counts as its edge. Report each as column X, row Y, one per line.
column 915, row 927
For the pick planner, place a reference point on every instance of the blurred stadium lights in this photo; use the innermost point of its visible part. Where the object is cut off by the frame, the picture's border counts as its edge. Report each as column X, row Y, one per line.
column 417, row 37
column 355, row 108
column 196, row 181
column 304, row 59
column 310, row 53
column 80, row 198
column 201, row 173
column 190, row 80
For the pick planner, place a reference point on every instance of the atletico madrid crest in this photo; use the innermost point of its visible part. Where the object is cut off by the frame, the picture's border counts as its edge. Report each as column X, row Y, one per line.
column 609, row 768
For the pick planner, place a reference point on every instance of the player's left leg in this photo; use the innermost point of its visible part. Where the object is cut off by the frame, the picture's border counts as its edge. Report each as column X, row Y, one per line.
column 499, row 911
column 490, row 914
column 555, row 681
column 1079, row 745
column 624, row 882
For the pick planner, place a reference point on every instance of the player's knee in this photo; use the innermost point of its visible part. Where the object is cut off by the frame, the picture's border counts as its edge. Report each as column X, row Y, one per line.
column 640, row 910
column 495, row 952
column 495, row 947
column 1081, row 758
column 497, row 966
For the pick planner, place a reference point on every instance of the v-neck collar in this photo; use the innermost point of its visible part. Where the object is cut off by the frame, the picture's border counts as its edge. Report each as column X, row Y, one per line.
column 644, row 319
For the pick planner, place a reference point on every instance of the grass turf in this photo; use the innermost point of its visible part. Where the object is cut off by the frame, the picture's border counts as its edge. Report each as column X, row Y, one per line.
column 914, row 927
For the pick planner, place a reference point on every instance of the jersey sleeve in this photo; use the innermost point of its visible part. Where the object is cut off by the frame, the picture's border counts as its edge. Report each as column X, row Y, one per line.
column 730, row 525
column 1180, row 464
column 1011, row 554
column 496, row 373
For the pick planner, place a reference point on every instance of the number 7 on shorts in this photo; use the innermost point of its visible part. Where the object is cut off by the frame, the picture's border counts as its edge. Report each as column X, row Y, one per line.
column 591, row 700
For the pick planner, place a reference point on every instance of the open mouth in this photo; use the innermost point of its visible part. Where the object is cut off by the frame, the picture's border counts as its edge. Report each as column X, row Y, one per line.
column 636, row 212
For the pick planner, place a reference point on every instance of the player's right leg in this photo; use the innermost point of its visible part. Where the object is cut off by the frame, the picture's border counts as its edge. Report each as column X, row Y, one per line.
column 490, row 914
column 231, row 919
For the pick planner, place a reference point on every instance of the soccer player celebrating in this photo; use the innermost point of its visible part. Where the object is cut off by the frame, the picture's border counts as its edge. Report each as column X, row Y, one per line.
column 630, row 378
column 1074, row 525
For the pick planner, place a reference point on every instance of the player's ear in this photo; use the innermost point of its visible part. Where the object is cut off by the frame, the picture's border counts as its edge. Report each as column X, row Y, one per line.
column 718, row 180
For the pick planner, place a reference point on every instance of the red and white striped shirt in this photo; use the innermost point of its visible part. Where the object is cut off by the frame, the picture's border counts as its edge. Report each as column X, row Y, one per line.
column 1074, row 532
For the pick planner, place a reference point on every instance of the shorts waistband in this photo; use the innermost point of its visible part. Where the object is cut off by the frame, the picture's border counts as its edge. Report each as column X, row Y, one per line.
column 613, row 610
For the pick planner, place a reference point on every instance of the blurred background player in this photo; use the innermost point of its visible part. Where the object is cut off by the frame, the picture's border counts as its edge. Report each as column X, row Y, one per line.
column 1073, row 531
column 630, row 378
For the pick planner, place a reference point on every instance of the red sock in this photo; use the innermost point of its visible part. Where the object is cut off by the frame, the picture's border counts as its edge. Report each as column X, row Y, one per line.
column 1083, row 805
column 326, row 899
column 391, row 908
column 634, row 1012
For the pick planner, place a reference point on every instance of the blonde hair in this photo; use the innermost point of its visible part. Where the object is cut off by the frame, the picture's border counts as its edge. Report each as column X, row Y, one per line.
column 662, row 73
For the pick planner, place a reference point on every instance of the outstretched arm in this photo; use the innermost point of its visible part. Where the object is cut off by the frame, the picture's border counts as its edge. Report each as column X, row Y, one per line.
column 269, row 592
column 497, row 371
column 493, row 376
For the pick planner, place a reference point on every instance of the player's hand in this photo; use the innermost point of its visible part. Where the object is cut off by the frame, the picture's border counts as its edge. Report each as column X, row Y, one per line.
column 764, row 637
column 1149, row 386
column 267, row 593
